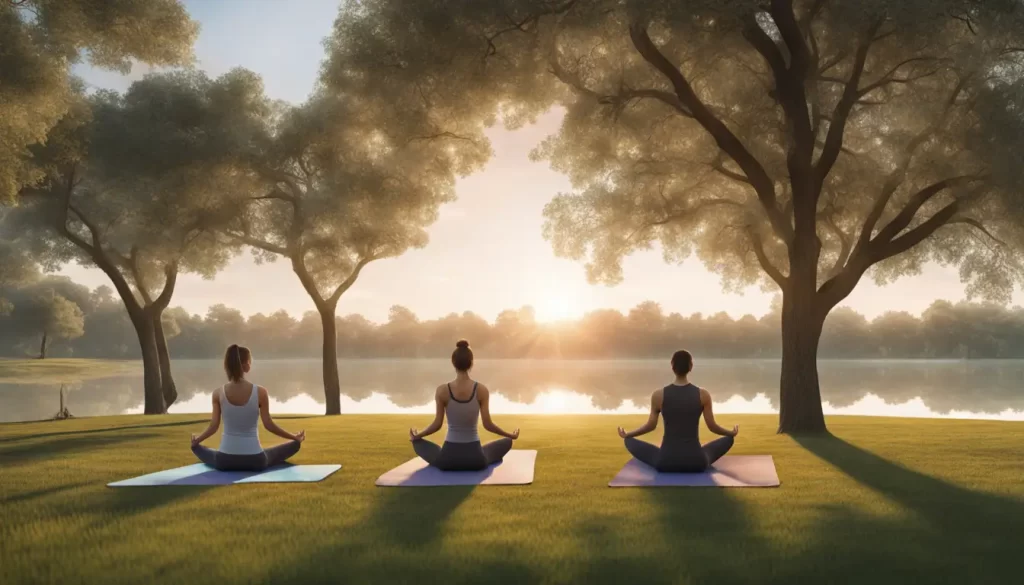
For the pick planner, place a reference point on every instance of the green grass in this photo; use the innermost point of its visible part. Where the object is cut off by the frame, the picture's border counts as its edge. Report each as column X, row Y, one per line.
column 60, row 370
column 883, row 501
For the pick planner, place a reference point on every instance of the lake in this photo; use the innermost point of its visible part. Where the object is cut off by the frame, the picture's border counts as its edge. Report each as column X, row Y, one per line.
column 937, row 389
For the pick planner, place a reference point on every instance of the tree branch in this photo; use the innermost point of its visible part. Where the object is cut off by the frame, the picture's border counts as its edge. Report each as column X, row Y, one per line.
column 837, row 127
column 444, row 134
column 762, row 258
column 979, row 226
column 789, row 81
column 724, row 138
column 620, row 99
column 133, row 266
column 257, row 243
column 906, row 215
column 917, row 235
column 170, row 279
column 845, row 245
column 897, row 176
column 348, row 282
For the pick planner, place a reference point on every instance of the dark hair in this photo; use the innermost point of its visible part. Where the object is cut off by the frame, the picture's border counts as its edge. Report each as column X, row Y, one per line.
column 462, row 357
column 682, row 362
column 234, row 358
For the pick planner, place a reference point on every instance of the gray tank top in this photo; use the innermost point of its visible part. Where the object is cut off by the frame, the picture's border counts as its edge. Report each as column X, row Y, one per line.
column 681, row 409
column 462, row 418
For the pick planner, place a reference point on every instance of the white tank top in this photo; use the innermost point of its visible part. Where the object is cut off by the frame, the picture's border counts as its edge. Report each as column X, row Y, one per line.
column 241, row 435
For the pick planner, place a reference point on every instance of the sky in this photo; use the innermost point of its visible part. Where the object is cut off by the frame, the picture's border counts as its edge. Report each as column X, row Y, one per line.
column 486, row 252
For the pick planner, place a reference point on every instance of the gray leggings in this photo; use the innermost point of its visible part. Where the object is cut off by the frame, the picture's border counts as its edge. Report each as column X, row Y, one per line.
column 462, row 456
column 256, row 462
column 679, row 457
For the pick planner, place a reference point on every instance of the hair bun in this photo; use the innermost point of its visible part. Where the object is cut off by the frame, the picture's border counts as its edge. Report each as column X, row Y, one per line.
column 462, row 343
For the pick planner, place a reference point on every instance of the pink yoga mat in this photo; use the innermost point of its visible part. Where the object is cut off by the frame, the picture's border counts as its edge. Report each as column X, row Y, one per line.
column 729, row 471
column 515, row 469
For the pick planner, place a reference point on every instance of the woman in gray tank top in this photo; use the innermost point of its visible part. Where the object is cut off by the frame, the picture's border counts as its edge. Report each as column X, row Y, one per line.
column 240, row 404
column 464, row 402
column 681, row 404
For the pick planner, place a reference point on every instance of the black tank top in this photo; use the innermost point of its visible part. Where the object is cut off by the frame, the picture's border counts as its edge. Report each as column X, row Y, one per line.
column 680, row 448
column 681, row 410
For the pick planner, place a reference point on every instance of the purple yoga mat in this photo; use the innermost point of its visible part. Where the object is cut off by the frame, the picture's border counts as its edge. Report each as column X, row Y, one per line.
column 729, row 471
column 515, row 469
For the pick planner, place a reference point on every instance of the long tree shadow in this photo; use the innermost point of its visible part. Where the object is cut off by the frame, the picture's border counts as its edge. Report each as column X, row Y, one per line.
column 55, row 449
column 712, row 536
column 400, row 541
column 952, row 534
column 22, row 438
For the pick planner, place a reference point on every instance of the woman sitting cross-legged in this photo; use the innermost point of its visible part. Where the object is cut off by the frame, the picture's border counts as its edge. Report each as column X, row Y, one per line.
column 464, row 402
column 242, row 404
column 681, row 404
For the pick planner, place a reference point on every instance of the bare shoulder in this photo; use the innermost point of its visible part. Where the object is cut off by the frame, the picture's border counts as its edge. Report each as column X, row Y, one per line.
column 657, row 397
column 262, row 392
column 441, row 390
column 482, row 390
column 705, row 396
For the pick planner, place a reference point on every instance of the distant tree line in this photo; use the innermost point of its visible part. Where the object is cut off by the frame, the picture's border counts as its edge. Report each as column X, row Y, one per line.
column 53, row 316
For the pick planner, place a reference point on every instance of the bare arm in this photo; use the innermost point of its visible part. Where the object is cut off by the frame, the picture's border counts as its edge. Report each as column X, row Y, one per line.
column 652, row 420
column 709, row 417
column 214, row 422
column 438, row 418
column 268, row 421
column 484, row 396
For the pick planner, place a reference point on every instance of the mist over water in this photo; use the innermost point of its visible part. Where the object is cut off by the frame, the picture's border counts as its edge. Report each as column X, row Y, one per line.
column 959, row 389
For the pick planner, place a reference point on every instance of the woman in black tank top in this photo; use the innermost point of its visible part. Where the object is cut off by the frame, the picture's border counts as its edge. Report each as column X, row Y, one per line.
column 681, row 404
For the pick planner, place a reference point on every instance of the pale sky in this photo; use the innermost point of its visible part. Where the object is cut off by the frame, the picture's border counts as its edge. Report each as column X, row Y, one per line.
column 486, row 253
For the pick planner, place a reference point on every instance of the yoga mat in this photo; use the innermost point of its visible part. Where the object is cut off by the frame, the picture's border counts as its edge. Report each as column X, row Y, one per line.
column 729, row 471
column 202, row 474
column 515, row 469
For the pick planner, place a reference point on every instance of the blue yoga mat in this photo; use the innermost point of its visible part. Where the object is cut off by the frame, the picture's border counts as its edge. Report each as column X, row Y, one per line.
column 202, row 474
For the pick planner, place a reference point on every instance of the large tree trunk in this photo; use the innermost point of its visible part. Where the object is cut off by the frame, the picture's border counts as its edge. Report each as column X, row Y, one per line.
column 153, row 392
column 42, row 347
column 332, row 382
column 167, row 387
column 799, row 393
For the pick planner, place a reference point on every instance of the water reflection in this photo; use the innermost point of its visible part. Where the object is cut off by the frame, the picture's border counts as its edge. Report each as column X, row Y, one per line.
column 977, row 389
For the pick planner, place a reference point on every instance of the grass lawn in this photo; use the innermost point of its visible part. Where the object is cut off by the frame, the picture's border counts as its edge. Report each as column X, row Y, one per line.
column 882, row 501
column 61, row 370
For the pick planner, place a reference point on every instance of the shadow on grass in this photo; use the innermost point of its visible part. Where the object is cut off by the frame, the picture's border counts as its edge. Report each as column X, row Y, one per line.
column 401, row 541
column 947, row 534
column 22, row 438
column 58, row 448
column 26, row 497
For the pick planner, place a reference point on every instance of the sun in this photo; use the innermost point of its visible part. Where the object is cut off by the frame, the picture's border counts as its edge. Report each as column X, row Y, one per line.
column 556, row 306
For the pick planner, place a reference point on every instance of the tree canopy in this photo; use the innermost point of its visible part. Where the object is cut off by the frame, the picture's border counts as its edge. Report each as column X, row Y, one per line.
column 42, row 39
column 138, row 186
column 793, row 143
column 351, row 177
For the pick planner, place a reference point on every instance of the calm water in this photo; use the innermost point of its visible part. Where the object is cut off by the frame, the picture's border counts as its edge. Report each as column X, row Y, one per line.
column 977, row 389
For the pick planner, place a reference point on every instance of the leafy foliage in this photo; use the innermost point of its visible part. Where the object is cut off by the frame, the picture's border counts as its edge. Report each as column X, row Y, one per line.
column 42, row 39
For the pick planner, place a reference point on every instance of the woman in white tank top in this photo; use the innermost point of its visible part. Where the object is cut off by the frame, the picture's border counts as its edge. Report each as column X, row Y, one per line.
column 465, row 402
column 241, row 404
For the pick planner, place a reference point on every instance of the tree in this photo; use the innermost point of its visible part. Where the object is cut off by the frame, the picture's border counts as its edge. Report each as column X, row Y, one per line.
column 795, row 143
column 136, row 185
column 350, row 179
column 39, row 313
column 42, row 39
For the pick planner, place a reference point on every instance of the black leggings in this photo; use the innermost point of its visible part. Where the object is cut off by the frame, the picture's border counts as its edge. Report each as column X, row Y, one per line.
column 462, row 456
column 256, row 462
column 679, row 458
